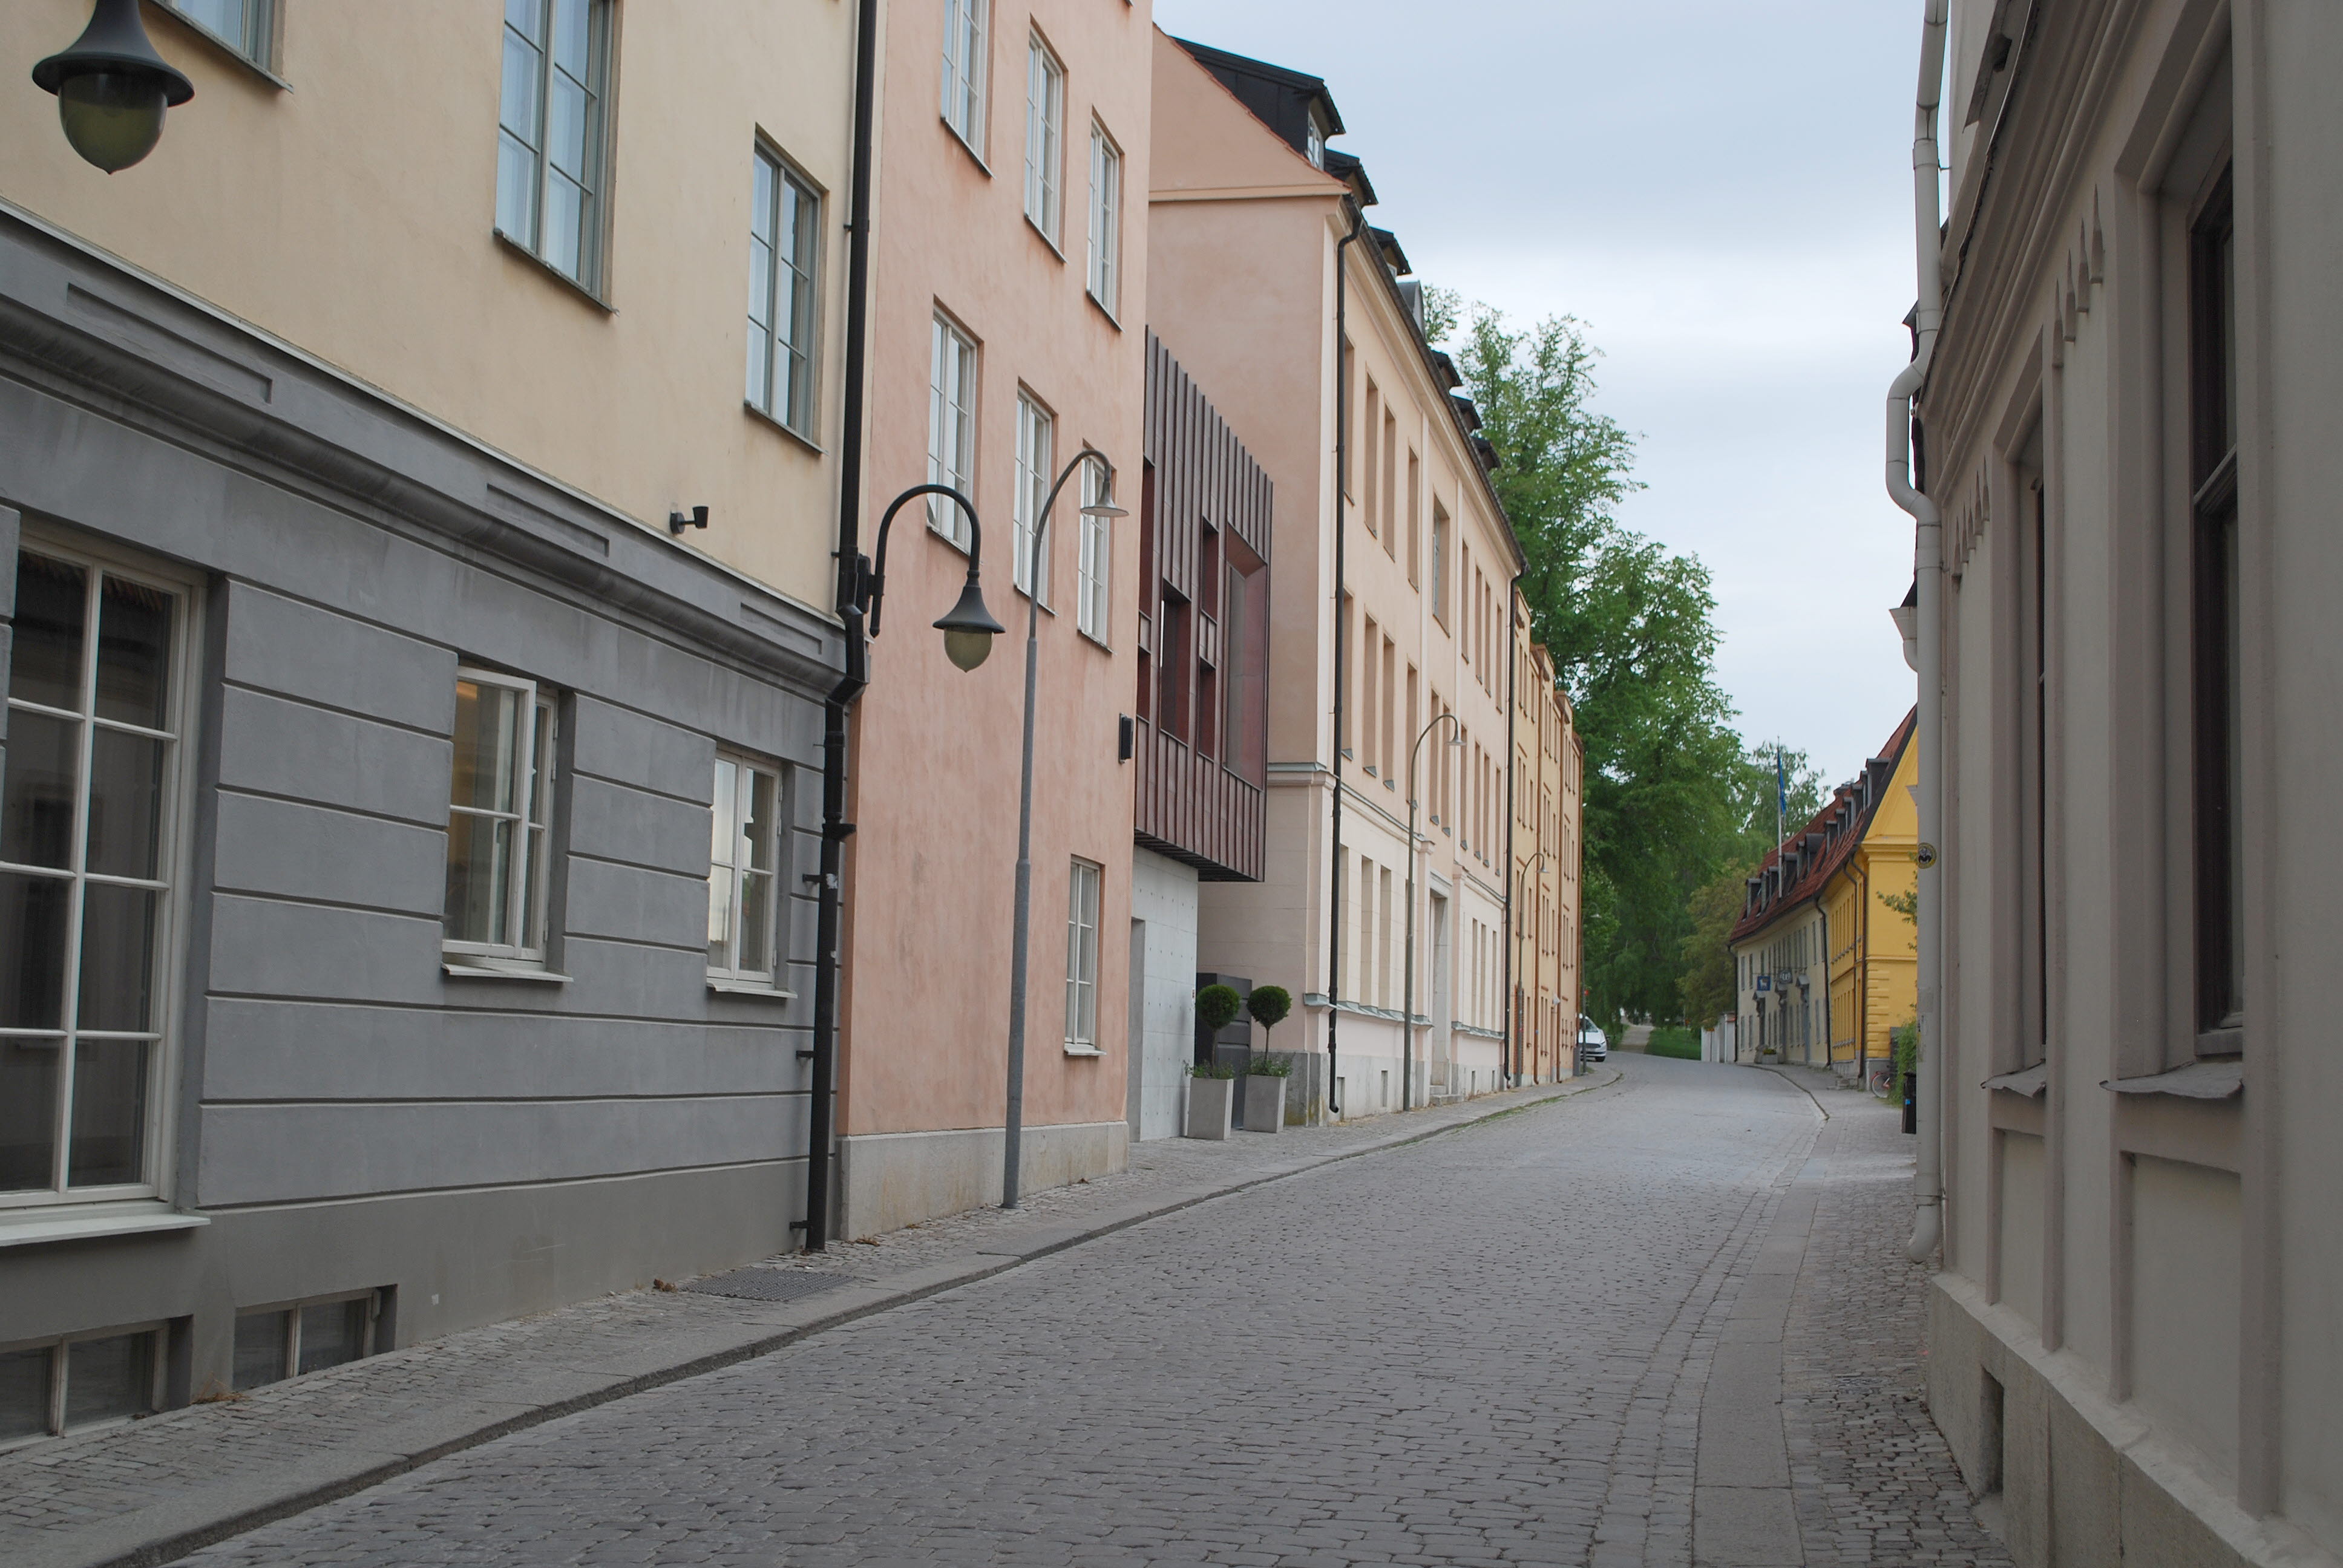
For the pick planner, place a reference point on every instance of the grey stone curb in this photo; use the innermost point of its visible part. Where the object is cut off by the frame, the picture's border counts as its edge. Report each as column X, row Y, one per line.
column 165, row 1532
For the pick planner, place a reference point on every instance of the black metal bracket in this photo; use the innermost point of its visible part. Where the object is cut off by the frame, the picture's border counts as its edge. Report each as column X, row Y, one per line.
column 677, row 521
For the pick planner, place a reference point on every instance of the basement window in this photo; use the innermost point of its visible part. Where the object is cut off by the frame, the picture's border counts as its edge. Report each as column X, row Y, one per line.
column 77, row 1382
column 286, row 1339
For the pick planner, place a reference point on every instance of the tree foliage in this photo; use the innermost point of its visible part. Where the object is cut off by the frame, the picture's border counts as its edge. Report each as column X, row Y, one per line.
column 1672, row 794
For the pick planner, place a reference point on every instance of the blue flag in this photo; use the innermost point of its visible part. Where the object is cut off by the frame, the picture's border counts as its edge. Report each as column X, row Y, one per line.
column 1781, row 784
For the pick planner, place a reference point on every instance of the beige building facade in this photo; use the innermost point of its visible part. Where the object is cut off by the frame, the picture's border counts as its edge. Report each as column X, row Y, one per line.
column 1549, row 824
column 2130, row 438
column 416, row 503
column 1390, row 603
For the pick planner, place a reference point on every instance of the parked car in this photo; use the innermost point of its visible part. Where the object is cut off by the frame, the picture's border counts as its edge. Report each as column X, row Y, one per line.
column 1593, row 1045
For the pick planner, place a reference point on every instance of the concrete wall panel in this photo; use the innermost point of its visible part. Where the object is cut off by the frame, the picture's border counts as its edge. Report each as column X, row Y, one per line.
column 277, row 746
column 261, row 947
column 626, row 747
column 288, row 850
column 626, row 903
column 295, row 649
column 612, row 822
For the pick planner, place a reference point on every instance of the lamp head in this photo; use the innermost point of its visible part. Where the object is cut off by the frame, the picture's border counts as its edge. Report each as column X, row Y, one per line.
column 1106, row 508
column 112, row 87
column 968, row 628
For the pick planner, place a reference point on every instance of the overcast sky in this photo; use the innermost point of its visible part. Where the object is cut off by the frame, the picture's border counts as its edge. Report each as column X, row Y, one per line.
column 1720, row 189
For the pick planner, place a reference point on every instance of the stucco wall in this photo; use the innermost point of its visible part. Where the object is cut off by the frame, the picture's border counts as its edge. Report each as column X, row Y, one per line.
column 1163, row 896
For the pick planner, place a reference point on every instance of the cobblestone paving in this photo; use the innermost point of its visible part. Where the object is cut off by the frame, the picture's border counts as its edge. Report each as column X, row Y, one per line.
column 1485, row 1349
column 1873, row 1480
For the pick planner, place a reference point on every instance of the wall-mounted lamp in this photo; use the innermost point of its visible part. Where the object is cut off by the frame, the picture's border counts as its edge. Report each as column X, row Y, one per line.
column 112, row 87
column 677, row 521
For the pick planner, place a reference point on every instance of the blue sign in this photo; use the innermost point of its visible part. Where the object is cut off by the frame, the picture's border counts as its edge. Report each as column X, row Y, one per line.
column 1764, row 984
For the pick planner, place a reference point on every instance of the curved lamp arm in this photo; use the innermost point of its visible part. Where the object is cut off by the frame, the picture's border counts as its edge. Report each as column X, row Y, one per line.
column 1416, row 750
column 1041, row 524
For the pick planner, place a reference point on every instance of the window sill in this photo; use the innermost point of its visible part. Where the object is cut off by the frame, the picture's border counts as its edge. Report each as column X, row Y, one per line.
column 765, row 989
column 1084, row 1050
column 965, row 146
column 27, row 1229
column 1094, row 639
column 454, row 969
column 791, row 431
column 2031, row 1083
column 2197, row 1080
column 1102, row 309
column 517, row 249
column 1043, row 235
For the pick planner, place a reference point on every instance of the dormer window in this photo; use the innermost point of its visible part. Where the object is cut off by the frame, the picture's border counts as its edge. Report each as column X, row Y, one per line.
column 1314, row 141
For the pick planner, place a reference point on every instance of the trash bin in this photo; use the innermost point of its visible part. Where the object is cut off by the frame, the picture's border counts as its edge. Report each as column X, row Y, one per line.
column 1911, row 1102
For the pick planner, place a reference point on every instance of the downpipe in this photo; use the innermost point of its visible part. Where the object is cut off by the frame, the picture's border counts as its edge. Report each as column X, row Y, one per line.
column 1928, row 568
column 1334, row 899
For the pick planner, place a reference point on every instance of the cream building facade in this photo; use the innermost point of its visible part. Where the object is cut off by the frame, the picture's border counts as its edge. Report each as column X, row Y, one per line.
column 2130, row 438
column 1549, row 824
column 406, row 877
column 1390, row 601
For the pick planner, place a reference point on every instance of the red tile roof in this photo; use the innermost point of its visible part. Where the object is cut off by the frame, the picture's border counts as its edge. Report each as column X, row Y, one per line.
column 1813, row 854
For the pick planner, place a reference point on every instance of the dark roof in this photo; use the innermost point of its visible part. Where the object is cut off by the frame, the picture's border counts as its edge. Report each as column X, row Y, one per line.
column 1352, row 173
column 1796, row 873
column 1281, row 99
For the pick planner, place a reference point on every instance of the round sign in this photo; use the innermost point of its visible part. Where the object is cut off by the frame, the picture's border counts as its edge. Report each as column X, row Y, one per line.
column 1926, row 855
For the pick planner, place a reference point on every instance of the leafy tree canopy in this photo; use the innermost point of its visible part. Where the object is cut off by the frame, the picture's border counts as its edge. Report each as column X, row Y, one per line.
column 1674, row 798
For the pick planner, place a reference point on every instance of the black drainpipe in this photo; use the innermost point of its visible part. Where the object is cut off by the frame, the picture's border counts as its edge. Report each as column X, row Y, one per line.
column 1341, row 475
column 835, row 827
column 1512, row 1002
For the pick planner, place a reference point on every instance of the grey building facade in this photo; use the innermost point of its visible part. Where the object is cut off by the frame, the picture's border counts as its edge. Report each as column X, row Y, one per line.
column 361, row 974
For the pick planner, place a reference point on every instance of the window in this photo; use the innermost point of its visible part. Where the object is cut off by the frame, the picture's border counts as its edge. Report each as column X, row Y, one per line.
column 1439, row 562
column 1097, row 562
column 951, row 427
column 1082, row 958
column 965, row 38
column 88, row 850
column 499, row 819
column 1106, row 217
column 1045, row 136
column 744, row 855
column 1313, row 142
column 1415, row 519
column 1245, row 663
column 1370, row 425
column 71, row 1384
column 273, row 1343
column 2219, row 690
column 549, row 140
column 784, row 241
column 245, row 26
column 1036, row 460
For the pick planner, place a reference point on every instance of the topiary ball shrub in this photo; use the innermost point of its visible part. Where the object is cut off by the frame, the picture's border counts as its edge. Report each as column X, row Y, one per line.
column 1269, row 1004
column 1217, row 1007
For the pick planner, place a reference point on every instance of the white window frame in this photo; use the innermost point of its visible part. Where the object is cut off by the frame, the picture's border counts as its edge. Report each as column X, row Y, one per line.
column 1085, row 895
column 1105, row 270
column 775, row 344
column 291, row 1365
column 737, row 976
column 527, row 954
column 256, row 40
column 173, row 820
column 1037, row 456
column 58, row 1345
column 968, row 33
column 1045, row 138
column 1093, row 607
column 522, row 207
column 952, row 424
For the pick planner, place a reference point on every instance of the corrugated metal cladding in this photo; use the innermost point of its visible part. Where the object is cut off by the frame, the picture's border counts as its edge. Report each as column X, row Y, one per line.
column 1204, row 497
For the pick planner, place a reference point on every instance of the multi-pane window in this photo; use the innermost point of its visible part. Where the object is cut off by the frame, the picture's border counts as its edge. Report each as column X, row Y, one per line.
column 87, row 853
column 744, row 858
column 1036, row 453
column 273, row 1343
column 550, row 136
column 1106, row 217
column 1045, row 136
column 1439, row 562
column 71, row 1384
column 1082, row 957
column 2219, row 675
column 499, row 819
column 1097, row 560
column 245, row 26
column 965, row 27
column 951, row 426
column 784, row 241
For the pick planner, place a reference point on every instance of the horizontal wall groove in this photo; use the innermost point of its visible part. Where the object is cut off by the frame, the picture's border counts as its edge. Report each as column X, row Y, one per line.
column 383, row 1005
column 229, row 683
column 411, row 1101
column 430, row 825
column 283, row 1204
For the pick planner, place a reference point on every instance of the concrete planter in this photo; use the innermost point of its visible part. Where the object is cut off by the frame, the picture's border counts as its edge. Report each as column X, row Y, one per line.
column 1211, row 1103
column 1264, row 1103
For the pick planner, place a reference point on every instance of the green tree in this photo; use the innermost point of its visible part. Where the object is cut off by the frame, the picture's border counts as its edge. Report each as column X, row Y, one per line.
column 1707, row 984
column 1669, row 786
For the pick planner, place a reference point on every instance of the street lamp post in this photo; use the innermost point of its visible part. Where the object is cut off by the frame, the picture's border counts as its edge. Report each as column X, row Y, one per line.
column 1013, row 1141
column 1407, row 1000
column 1513, row 1009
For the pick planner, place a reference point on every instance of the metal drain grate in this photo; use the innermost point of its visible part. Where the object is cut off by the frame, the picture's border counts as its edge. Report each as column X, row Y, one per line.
column 753, row 1284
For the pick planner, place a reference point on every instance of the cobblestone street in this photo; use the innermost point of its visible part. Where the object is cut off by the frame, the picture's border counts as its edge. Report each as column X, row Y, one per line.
column 1341, row 1368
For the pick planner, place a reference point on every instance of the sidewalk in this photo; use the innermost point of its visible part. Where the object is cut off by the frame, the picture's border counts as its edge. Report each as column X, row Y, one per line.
column 159, row 1489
